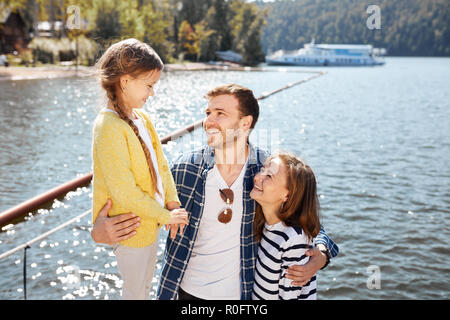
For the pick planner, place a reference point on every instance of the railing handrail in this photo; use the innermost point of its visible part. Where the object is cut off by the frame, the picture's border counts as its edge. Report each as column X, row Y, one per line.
column 44, row 235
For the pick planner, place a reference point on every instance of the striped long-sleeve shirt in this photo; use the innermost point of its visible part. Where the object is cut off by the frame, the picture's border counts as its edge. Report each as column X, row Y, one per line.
column 281, row 246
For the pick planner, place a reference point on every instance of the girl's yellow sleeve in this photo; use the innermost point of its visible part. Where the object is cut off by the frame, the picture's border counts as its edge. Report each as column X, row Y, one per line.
column 114, row 161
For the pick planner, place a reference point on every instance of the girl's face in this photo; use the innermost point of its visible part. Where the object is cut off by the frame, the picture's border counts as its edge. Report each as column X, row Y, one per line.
column 270, row 184
column 136, row 91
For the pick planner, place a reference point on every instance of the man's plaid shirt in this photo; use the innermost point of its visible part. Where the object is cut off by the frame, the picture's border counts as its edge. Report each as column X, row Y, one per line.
column 190, row 172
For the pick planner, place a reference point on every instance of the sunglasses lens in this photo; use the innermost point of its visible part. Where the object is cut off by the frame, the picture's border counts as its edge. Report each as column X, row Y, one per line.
column 227, row 194
column 225, row 216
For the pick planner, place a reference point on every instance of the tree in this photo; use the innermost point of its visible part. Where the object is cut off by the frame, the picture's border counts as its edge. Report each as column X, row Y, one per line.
column 413, row 27
column 246, row 24
column 156, row 30
column 197, row 28
column 252, row 53
column 193, row 11
column 210, row 43
column 221, row 24
column 187, row 39
column 205, row 45
column 106, row 21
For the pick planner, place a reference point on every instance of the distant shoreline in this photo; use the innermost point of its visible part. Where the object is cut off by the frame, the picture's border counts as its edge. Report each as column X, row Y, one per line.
column 51, row 72
column 55, row 71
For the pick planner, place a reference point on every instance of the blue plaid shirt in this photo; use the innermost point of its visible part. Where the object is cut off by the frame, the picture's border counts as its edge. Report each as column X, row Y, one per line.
column 190, row 172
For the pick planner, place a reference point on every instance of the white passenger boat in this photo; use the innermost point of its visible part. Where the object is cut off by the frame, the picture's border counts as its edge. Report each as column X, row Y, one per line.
column 329, row 55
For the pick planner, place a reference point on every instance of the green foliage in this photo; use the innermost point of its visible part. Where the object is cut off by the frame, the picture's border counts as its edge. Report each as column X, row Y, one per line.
column 193, row 11
column 207, row 40
column 212, row 42
column 106, row 26
column 221, row 25
column 246, row 25
column 187, row 39
column 193, row 28
column 408, row 27
column 156, row 25
column 145, row 20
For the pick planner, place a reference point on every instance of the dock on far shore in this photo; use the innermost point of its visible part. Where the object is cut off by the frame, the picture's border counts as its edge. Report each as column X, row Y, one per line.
column 49, row 72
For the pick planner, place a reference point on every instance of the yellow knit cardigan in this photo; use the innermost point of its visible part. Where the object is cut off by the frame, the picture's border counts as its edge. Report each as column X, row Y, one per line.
column 121, row 173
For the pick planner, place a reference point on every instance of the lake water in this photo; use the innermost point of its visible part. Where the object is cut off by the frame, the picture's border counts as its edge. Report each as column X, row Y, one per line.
column 377, row 138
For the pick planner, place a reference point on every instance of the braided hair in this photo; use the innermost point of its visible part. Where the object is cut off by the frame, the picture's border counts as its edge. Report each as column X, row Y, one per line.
column 131, row 57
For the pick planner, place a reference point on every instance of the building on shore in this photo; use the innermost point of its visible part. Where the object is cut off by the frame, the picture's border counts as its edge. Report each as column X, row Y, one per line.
column 13, row 31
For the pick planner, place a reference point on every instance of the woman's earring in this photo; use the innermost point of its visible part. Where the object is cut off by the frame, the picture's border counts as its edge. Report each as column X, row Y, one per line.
column 282, row 206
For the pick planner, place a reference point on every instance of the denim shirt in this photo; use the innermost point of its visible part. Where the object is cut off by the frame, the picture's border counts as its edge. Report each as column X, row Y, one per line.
column 190, row 172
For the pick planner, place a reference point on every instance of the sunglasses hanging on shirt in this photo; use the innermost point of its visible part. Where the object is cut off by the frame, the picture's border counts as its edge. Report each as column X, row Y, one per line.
column 227, row 196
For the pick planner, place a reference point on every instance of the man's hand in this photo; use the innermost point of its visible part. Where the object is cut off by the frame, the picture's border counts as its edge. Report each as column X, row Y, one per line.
column 302, row 274
column 110, row 230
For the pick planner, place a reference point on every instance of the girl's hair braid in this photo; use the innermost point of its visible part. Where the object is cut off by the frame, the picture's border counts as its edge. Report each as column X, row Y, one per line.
column 131, row 57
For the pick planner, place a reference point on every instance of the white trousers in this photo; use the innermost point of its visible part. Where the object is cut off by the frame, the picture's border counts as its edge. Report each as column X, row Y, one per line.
column 136, row 267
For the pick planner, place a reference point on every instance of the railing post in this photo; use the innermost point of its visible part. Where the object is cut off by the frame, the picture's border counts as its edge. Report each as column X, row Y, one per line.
column 25, row 272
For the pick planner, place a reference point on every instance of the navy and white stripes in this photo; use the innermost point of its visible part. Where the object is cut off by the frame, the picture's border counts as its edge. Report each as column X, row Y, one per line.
column 281, row 247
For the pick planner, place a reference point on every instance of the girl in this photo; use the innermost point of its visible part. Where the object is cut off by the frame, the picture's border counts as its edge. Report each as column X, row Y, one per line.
column 129, row 165
column 286, row 221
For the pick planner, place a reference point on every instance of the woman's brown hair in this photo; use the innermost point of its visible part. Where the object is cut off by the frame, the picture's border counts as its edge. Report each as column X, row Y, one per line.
column 301, row 209
column 128, row 57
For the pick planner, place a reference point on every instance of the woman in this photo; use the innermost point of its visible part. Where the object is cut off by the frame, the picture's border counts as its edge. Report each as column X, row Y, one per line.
column 286, row 222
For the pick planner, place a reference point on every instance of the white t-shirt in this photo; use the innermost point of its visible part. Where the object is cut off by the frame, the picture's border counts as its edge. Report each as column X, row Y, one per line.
column 143, row 132
column 213, row 271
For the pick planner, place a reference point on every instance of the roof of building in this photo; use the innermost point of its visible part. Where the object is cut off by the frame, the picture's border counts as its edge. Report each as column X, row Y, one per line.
column 6, row 11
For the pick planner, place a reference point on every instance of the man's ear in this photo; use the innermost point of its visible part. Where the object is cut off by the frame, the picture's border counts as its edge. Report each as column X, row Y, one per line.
column 247, row 121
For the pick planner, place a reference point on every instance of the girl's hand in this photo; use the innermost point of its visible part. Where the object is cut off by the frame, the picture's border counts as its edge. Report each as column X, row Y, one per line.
column 179, row 218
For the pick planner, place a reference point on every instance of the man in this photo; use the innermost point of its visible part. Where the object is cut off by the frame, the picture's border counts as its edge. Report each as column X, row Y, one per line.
column 215, row 257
